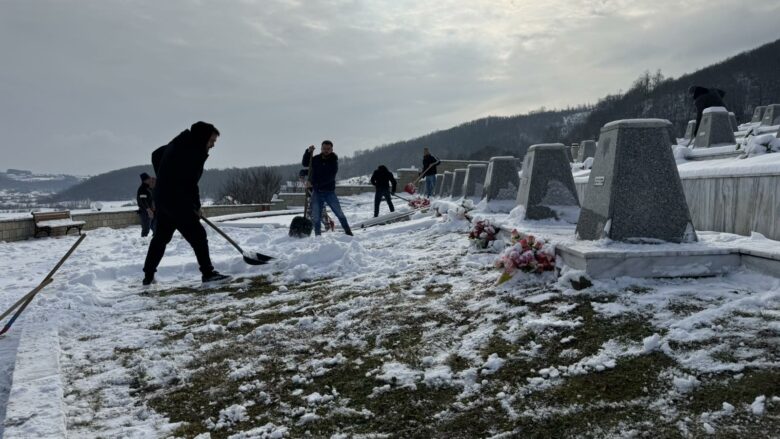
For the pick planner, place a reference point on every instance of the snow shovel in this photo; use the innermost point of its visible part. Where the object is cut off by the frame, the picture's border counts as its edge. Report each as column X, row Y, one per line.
column 411, row 188
column 251, row 258
column 25, row 301
column 398, row 196
column 301, row 226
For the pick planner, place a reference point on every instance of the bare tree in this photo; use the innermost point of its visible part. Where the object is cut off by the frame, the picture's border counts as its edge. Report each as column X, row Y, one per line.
column 250, row 186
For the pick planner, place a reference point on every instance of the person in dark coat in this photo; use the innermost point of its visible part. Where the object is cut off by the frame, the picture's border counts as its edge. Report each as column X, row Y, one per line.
column 145, row 200
column 429, row 171
column 179, row 166
column 704, row 98
column 322, row 181
column 385, row 184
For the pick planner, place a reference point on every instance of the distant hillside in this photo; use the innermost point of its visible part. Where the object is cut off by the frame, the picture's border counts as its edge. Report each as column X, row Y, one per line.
column 479, row 139
column 25, row 181
column 122, row 184
column 749, row 79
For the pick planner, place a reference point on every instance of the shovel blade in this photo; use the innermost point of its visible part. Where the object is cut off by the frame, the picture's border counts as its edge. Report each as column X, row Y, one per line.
column 410, row 189
column 257, row 259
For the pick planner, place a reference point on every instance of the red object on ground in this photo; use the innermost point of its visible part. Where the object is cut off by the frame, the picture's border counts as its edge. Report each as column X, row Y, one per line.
column 410, row 188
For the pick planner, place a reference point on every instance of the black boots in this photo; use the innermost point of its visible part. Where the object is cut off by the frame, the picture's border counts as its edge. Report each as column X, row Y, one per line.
column 214, row 276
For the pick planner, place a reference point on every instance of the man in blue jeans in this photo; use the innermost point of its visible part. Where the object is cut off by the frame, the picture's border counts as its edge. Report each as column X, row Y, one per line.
column 429, row 171
column 322, row 181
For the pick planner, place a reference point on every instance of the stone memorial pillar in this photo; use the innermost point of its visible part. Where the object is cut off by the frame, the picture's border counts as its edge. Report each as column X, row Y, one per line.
column 714, row 129
column 458, row 178
column 733, row 120
column 689, row 129
column 437, row 185
column 758, row 114
column 575, row 152
column 634, row 192
column 475, row 181
column 587, row 149
column 547, row 185
column 771, row 115
column 501, row 180
column 672, row 135
column 446, row 184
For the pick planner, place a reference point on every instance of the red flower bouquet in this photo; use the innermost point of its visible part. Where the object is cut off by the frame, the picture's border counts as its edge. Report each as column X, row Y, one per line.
column 419, row 203
column 529, row 255
column 483, row 233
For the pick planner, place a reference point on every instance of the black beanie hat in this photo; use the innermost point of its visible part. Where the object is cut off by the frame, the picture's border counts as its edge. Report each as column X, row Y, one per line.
column 145, row 176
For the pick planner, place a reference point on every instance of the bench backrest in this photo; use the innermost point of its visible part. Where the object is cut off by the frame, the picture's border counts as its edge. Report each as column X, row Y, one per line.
column 47, row 216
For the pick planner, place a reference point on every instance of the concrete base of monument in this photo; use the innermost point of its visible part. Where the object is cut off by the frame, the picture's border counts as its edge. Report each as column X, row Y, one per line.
column 641, row 260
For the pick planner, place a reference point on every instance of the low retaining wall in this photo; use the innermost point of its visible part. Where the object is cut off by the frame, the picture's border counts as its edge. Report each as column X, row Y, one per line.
column 296, row 199
column 18, row 229
column 737, row 204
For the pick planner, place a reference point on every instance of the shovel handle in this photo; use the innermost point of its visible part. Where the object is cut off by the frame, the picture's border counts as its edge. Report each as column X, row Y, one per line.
column 423, row 172
column 213, row 226
column 26, row 296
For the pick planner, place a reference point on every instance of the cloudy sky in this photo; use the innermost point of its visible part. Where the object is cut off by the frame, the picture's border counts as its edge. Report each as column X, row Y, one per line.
column 94, row 85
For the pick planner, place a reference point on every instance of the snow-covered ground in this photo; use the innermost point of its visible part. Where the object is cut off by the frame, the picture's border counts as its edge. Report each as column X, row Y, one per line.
column 399, row 331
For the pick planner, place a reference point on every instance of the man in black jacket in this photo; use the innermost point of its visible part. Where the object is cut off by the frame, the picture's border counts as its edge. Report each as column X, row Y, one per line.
column 145, row 201
column 429, row 171
column 705, row 98
column 322, row 181
column 179, row 166
column 383, row 180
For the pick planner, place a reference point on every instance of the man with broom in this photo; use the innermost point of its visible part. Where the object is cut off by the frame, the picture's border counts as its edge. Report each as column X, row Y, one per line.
column 322, row 179
column 429, row 171
column 179, row 166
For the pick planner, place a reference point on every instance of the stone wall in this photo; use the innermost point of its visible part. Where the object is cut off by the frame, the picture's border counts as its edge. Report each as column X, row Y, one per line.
column 452, row 165
column 18, row 229
column 737, row 204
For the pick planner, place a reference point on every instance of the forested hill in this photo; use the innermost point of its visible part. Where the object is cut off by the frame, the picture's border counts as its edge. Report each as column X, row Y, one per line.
column 749, row 79
column 122, row 184
column 478, row 140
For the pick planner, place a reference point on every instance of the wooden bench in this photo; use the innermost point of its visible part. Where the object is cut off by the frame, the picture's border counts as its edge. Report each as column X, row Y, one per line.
column 46, row 221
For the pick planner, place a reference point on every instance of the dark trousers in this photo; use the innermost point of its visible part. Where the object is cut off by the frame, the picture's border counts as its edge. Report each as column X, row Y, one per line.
column 382, row 193
column 188, row 224
column 147, row 223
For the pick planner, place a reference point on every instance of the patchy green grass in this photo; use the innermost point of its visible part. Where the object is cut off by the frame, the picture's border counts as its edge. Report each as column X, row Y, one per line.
column 393, row 328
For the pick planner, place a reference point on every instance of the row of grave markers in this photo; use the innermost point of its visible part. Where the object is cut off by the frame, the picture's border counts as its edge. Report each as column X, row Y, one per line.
column 634, row 192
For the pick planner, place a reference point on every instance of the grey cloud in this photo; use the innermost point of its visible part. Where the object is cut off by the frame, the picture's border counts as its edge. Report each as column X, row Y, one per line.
column 115, row 79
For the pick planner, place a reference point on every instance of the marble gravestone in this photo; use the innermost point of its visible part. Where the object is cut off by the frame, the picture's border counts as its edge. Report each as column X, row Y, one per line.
column 501, row 180
column 672, row 135
column 634, row 191
column 547, row 185
column 475, row 181
column 587, row 149
column 569, row 156
column 458, row 178
column 733, row 120
column 446, row 184
column 771, row 115
column 714, row 129
column 689, row 129
column 575, row 152
column 758, row 114
column 437, row 185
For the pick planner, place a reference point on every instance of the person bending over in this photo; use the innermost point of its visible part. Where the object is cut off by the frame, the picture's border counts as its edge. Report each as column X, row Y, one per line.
column 179, row 166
